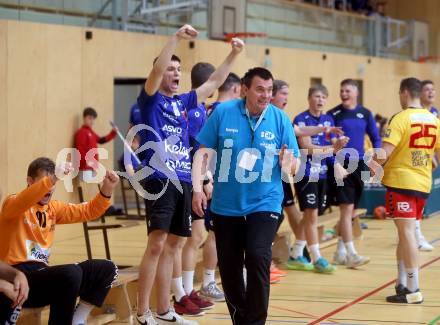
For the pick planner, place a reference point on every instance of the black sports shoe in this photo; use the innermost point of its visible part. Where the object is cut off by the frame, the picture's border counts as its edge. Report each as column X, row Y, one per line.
column 407, row 297
column 400, row 289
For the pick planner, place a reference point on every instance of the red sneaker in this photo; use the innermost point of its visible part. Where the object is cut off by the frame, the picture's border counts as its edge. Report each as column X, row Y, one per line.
column 186, row 307
column 274, row 279
column 203, row 304
column 276, row 271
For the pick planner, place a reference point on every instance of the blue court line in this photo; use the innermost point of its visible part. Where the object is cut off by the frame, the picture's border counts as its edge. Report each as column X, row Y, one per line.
column 434, row 240
column 271, row 321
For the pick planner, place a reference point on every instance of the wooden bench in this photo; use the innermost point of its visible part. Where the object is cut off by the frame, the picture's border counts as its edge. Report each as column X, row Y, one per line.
column 283, row 240
column 33, row 316
column 121, row 300
column 118, row 305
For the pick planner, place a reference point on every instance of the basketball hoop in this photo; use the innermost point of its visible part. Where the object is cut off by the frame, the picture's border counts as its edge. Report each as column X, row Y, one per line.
column 428, row 59
column 244, row 35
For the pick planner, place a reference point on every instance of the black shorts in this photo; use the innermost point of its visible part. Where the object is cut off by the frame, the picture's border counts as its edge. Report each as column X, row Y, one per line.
column 171, row 211
column 351, row 191
column 312, row 195
column 288, row 199
column 209, row 222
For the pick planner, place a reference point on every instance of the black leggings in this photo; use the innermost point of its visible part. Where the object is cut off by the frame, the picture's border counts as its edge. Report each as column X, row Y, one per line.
column 59, row 287
column 246, row 241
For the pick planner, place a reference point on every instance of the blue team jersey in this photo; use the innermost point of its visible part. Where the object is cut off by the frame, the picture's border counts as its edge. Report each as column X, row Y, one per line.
column 356, row 123
column 135, row 115
column 315, row 168
column 196, row 119
column 241, row 189
column 167, row 141
column 434, row 111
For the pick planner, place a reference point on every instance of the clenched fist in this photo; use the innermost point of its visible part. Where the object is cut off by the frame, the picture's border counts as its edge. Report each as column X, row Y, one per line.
column 237, row 45
column 111, row 179
column 187, row 32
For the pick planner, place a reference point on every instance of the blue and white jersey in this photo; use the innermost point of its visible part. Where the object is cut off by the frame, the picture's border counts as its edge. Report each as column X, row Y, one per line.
column 135, row 115
column 314, row 167
column 166, row 142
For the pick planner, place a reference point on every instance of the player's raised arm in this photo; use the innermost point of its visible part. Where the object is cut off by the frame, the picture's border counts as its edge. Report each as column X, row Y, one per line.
column 219, row 76
column 155, row 77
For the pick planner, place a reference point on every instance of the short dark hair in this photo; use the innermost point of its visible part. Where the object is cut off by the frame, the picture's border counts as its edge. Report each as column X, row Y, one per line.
column 173, row 58
column 200, row 73
column 88, row 111
column 427, row 82
column 41, row 164
column 137, row 137
column 230, row 81
column 315, row 88
column 277, row 85
column 350, row 82
column 412, row 85
column 256, row 72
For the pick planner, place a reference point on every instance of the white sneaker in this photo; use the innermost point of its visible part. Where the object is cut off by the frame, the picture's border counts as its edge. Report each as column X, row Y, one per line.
column 355, row 260
column 424, row 245
column 339, row 259
column 171, row 317
column 146, row 319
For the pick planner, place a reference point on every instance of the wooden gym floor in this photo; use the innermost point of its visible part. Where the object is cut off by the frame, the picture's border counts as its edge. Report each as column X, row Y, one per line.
column 349, row 297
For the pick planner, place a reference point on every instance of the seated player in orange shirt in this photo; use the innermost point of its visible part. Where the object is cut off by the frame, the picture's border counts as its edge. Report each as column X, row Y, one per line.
column 27, row 226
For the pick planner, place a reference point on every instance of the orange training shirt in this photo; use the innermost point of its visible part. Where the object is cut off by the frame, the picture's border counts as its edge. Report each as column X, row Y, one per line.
column 27, row 228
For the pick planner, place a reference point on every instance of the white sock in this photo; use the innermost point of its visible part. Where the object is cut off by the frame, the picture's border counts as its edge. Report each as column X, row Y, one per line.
column 341, row 247
column 412, row 278
column 298, row 248
column 349, row 246
column 81, row 313
column 401, row 273
column 314, row 252
column 188, row 281
column 177, row 288
column 208, row 277
column 419, row 234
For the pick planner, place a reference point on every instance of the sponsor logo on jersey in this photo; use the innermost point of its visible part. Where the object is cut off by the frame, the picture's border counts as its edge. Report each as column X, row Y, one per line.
column 360, row 115
column 172, row 129
column 177, row 164
column 169, row 117
column 177, row 149
column 267, row 135
column 268, row 146
column 231, row 130
column 422, row 118
column 37, row 253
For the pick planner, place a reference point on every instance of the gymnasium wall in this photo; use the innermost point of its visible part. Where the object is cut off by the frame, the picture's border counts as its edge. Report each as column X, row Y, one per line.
column 49, row 73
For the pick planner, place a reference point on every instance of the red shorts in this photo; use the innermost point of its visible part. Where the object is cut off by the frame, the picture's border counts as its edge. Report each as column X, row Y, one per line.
column 403, row 206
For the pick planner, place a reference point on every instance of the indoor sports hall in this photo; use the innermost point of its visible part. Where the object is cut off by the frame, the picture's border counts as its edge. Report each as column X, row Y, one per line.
column 216, row 162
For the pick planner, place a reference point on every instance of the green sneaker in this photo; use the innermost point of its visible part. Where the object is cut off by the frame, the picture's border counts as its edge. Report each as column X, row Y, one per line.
column 299, row 264
column 322, row 266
